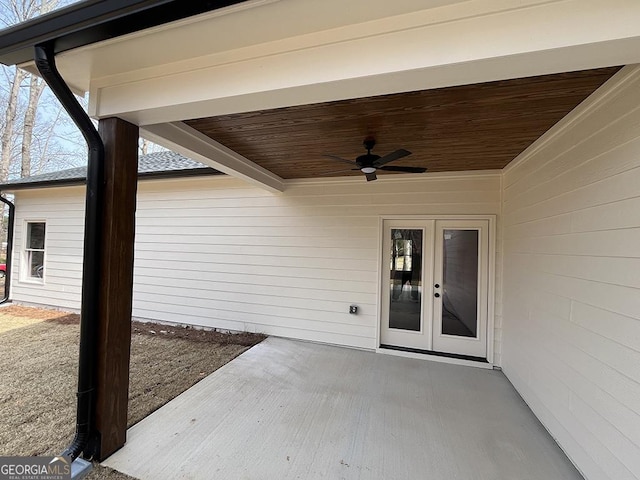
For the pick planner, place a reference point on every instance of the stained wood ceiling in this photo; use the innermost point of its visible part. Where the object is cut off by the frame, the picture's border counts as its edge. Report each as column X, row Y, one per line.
column 471, row 127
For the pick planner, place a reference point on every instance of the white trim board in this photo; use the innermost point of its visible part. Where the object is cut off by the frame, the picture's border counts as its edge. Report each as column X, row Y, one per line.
column 468, row 42
column 597, row 100
column 188, row 141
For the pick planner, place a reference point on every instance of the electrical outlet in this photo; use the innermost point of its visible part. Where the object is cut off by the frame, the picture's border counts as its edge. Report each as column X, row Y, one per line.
column 353, row 309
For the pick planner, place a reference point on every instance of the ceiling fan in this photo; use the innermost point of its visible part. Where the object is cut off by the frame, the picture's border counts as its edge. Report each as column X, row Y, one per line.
column 370, row 163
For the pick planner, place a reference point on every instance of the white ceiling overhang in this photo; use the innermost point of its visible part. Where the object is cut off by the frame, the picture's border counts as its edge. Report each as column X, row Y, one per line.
column 269, row 54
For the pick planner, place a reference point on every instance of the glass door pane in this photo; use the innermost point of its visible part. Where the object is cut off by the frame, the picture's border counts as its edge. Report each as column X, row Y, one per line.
column 460, row 282
column 405, row 279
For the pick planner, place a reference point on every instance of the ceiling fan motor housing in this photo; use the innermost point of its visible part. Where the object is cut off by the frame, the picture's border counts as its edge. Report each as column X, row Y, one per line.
column 367, row 160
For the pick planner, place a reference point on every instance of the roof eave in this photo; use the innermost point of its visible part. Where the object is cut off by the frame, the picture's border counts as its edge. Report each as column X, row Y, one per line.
column 67, row 182
column 93, row 21
column 72, row 182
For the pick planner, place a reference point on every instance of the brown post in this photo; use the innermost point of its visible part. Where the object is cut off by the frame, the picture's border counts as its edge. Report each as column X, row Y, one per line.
column 118, row 228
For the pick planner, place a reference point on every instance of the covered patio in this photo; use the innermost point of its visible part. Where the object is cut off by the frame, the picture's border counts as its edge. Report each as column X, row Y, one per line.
column 526, row 116
column 288, row 409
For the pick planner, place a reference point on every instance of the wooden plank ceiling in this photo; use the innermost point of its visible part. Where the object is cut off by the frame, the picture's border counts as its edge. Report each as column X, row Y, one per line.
column 471, row 127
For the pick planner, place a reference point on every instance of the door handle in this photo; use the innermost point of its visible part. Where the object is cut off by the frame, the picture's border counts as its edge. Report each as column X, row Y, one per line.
column 436, row 295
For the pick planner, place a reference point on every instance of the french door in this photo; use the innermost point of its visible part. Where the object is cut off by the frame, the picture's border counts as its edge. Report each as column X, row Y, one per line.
column 435, row 286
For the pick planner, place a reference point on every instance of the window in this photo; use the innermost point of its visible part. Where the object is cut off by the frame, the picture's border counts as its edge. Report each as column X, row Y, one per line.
column 34, row 250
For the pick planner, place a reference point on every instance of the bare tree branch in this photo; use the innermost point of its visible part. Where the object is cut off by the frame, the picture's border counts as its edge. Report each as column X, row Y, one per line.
column 36, row 86
column 6, row 142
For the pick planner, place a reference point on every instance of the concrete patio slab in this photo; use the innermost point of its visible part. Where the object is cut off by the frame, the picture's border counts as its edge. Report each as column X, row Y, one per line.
column 294, row 410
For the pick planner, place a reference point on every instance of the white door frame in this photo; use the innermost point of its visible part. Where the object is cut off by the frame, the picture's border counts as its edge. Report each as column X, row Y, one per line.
column 411, row 339
column 490, row 294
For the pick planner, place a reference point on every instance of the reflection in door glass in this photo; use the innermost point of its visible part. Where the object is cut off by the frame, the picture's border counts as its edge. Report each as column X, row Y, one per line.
column 405, row 279
column 460, row 283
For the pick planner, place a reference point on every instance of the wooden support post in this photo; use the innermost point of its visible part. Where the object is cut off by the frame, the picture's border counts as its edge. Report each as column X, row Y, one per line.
column 118, row 229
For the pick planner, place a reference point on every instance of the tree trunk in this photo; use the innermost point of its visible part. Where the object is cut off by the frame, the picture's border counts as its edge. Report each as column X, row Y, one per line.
column 6, row 143
column 36, row 86
column 144, row 146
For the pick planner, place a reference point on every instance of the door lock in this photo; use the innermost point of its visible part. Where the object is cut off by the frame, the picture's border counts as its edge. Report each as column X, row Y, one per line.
column 437, row 285
column 437, row 295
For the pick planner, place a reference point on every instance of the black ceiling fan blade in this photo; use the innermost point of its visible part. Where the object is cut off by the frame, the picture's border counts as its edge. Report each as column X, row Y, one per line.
column 335, row 172
column 371, row 176
column 390, row 157
column 395, row 168
column 340, row 159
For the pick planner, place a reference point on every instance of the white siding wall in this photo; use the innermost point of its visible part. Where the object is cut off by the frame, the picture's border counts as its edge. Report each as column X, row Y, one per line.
column 571, row 218
column 216, row 252
column 63, row 211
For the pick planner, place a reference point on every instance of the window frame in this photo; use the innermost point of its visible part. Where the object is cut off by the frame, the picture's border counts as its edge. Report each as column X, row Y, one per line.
column 27, row 253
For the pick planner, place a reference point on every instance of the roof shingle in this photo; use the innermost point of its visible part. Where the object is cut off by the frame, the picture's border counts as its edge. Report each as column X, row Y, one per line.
column 152, row 164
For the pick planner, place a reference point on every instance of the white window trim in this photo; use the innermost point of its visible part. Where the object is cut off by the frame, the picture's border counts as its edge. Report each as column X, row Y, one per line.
column 25, row 277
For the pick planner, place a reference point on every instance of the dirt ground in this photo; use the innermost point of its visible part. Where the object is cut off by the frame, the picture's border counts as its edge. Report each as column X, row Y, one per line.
column 38, row 375
column 15, row 317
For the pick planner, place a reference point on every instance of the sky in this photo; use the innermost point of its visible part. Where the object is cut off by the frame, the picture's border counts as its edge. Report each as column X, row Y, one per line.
column 55, row 132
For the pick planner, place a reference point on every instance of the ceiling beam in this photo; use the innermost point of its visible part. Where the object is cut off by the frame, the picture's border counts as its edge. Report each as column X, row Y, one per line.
column 461, row 43
column 187, row 141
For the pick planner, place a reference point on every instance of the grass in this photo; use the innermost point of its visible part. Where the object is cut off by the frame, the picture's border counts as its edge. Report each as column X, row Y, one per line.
column 38, row 375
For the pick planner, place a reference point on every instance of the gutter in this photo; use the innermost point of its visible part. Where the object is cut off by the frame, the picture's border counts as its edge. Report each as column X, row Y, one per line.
column 87, row 439
column 93, row 21
column 71, row 182
column 7, row 277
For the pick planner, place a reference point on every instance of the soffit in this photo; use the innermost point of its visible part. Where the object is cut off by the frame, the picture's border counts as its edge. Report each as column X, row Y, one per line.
column 472, row 127
column 247, row 25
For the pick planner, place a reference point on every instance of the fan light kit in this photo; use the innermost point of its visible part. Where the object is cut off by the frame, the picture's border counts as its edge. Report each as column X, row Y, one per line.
column 370, row 163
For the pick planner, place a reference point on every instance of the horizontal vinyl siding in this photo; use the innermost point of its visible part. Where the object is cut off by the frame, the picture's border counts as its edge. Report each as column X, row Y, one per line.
column 63, row 211
column 216, row 252
column 288, row 264
column 571, row 296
